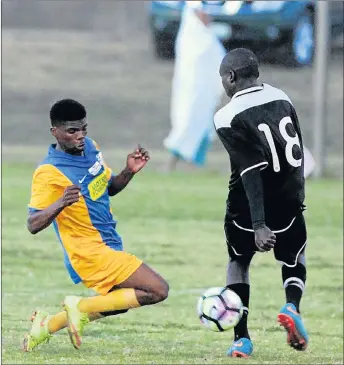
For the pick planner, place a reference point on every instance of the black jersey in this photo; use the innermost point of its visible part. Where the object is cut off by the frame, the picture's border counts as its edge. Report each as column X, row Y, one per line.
column 259, row 129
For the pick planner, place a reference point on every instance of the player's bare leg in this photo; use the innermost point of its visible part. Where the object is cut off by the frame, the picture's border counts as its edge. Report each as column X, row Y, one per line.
column 143, row 287
column 294, row 279
column 150, row 287
column 238, row 281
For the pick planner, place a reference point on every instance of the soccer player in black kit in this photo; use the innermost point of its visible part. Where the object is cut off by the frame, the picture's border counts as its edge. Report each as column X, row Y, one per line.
column 259, row 129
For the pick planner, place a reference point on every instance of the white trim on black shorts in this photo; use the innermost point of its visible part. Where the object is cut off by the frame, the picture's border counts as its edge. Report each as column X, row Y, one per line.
column 251, row 230
column 297, row 256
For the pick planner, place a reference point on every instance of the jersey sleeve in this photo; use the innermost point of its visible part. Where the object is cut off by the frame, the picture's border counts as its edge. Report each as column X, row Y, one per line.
column 296, row 124
column 46, row 188
column 109, row 172
column 242, row 148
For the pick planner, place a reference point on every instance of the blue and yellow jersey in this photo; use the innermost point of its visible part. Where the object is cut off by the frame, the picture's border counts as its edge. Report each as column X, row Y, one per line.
column 85, row 227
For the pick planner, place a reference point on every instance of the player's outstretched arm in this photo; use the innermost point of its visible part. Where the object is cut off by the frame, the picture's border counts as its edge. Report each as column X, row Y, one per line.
column 253, row 184
column 135, row 162
column 39, row 220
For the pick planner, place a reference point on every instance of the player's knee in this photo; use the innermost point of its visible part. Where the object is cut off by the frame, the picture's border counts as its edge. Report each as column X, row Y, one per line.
column 161, row 292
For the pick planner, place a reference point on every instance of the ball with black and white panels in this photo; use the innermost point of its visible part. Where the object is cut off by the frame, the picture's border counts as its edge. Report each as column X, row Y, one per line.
column 219, row 309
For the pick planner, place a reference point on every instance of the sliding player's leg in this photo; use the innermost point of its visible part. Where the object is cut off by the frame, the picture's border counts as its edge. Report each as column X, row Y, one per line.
column 138, row 285
column 143, row 287
column 45, row 325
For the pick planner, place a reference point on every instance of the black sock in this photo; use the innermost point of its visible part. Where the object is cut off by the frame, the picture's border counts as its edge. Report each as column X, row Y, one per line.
column 113, row 313
column 294, row 279
column 243, row 290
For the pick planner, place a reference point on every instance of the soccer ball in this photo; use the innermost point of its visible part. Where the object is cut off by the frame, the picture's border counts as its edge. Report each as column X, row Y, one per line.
column 219, row 309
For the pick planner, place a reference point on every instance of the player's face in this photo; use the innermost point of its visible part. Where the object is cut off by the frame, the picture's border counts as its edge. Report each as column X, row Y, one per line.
column 71, row 136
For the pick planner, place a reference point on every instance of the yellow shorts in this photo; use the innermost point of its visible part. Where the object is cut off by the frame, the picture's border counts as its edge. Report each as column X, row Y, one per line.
column 105, row 268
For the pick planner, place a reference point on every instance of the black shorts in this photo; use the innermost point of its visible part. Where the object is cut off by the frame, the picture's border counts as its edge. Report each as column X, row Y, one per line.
column 291, row 239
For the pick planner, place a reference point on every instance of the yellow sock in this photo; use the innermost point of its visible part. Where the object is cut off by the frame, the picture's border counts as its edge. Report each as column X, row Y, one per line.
column 116, row 300
column 57, row 322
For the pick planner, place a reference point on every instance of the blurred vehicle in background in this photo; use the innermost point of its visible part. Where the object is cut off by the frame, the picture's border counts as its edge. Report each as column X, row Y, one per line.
column 258, row 25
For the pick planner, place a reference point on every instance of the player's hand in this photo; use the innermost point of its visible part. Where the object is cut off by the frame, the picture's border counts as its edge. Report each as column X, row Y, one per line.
column 264, row 239
column 71, row 195
column 138, row 159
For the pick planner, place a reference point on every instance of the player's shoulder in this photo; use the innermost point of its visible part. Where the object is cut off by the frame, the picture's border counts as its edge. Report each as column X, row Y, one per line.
column 276, row 94
column 46, row 171
column 224, row 117
column 246, row 99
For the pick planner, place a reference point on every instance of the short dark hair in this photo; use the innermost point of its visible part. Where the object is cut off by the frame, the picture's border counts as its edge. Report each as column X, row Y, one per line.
column 242, row 62
column 66, row 110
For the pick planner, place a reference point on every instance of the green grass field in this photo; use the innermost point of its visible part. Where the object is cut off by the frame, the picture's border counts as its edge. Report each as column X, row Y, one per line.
column 175, row 224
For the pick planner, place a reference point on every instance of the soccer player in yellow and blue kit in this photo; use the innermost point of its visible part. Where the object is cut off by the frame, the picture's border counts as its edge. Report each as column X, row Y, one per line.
column 71, row 189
